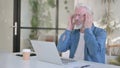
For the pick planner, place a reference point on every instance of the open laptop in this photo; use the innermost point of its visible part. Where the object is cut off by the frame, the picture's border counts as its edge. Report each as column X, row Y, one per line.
column 47, row 52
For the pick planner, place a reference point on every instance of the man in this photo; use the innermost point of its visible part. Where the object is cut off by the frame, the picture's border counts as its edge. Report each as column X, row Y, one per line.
column 82, row 38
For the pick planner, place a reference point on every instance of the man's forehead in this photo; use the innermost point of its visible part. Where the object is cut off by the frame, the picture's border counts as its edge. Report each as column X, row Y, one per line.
column 80, row 10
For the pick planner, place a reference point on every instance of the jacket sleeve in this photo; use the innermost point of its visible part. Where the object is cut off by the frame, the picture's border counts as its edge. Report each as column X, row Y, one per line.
column 64, row 41
column 95, row 43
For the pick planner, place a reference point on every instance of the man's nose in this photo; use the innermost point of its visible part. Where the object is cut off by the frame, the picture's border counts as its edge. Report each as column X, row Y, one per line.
column 77, row 17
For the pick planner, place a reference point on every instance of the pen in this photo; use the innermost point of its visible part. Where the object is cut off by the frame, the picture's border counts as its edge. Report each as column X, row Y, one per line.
column 85, row 66
column 82, row 66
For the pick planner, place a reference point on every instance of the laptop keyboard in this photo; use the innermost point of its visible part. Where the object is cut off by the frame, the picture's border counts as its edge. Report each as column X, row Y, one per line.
column 65, row 61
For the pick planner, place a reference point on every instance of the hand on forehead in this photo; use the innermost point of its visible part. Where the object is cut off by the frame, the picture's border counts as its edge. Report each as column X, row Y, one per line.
column 80, row 10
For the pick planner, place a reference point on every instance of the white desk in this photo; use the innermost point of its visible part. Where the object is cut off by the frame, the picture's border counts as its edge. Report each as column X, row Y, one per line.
column 8, row 60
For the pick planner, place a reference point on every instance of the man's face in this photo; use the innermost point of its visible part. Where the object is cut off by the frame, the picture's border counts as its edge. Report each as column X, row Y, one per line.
column 78, row 19
column 79, row 16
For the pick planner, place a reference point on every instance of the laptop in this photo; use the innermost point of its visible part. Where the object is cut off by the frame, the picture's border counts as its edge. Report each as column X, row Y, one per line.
column 47, row 52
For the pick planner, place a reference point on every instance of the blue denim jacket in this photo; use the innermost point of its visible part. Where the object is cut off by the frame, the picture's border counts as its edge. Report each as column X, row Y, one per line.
column 95, row 39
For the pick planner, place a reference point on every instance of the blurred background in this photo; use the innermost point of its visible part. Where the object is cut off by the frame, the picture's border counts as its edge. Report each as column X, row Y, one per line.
column 25, row 20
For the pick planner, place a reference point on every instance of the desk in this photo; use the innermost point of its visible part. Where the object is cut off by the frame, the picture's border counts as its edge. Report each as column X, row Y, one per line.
column 8, row 60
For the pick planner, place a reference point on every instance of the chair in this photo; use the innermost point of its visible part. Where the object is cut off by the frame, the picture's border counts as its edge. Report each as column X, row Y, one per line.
column 113, row 52
column 114, row 49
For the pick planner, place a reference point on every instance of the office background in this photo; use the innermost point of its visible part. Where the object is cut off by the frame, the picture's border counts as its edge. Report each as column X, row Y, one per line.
column 58, row 21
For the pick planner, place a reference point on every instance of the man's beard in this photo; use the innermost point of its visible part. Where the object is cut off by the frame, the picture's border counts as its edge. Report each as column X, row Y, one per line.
column 78, row 26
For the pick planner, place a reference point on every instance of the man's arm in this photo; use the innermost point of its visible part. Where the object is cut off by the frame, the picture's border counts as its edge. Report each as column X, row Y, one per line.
column 94, row 43
column 64, row 41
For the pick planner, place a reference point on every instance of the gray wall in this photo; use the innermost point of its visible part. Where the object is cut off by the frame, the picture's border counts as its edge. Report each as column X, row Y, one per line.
column 6, row 21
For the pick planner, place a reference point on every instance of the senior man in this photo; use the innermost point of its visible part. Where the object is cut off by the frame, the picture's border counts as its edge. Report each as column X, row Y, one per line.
column 84, row 40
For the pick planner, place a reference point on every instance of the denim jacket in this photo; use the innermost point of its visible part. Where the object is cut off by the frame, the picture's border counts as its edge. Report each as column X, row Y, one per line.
column 95, row 39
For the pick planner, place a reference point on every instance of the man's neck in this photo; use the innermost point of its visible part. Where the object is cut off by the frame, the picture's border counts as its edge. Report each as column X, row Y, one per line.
column 82, row 30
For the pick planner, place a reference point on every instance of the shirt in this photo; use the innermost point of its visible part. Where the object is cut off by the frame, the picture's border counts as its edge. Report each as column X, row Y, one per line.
column 79, row 54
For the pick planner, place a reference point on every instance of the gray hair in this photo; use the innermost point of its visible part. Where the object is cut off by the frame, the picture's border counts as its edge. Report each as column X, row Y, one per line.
column 78, row 5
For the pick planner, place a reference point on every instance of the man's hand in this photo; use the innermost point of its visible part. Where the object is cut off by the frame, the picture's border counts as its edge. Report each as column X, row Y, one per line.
column 70, row 23
column 88, row 21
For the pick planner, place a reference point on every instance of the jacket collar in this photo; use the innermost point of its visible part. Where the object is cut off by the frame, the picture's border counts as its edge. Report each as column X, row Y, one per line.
column 93, row 27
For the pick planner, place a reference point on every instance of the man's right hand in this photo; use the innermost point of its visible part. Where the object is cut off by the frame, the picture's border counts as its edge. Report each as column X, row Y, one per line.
column 70, row 23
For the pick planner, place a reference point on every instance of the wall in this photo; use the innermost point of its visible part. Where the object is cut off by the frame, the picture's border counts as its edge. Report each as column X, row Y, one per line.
column 63, row 14
column 6, row 21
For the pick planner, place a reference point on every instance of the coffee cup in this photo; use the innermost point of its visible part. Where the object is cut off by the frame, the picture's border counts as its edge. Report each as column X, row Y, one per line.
column 26, row 54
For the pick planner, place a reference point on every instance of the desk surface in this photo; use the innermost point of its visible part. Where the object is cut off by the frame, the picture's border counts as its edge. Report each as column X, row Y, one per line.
column 8, row 60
